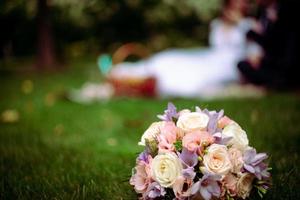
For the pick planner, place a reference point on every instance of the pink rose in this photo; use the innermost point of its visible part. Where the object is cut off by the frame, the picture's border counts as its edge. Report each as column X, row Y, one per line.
column 236, row 158
column 141, row 179
column 197, row 139
column 171, row 131
column 165, row 145
column 182, row 187
column 230, row 183
column 224, row 121
column 168, row 136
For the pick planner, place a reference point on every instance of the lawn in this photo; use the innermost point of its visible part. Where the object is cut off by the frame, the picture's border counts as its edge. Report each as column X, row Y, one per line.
column 58, row 149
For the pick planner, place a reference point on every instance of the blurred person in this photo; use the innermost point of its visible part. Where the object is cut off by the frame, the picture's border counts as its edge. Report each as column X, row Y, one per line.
column 200, row 72
column 277, row 33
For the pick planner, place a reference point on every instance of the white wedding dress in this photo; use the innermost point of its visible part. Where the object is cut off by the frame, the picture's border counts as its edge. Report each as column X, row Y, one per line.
column 196, row 72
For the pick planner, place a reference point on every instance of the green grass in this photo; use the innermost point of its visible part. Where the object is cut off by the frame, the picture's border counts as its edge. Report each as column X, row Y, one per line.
column 63, row 150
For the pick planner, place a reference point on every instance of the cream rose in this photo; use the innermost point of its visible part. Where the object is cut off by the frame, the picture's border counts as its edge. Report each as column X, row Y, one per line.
column 192, row 121
column 217, row 160
column 239, row 137
column 151, row 133
column 166, row 168
column 244, row 185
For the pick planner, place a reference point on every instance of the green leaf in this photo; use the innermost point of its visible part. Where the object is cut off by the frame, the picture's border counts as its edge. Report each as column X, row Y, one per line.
column 178, row 145
column 260, row 194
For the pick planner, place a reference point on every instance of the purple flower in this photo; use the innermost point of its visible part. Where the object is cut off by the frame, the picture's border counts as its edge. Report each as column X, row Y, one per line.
column 143, row 156
column 169, row 114
column 214, row 117
column 189, row 173
column 208, row 186
column 154, row 190
column 189, row 160
column 254, row 163
column 221, row 139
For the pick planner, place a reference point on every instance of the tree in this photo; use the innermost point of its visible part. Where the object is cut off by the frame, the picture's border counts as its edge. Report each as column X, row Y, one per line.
column 46, row 58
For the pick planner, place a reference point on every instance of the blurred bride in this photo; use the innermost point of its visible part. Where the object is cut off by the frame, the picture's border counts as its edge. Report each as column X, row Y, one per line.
column 200, row 72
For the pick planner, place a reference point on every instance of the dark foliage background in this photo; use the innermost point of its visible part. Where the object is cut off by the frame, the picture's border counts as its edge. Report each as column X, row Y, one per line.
column 90, row 26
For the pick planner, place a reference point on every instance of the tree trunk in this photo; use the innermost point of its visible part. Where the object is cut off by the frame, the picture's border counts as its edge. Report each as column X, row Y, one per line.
column 46, row 59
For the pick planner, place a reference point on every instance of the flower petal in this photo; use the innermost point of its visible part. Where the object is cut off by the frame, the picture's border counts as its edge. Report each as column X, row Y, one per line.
column 205, row 193
column 249, row 168
column 189, row 158
column 195, row 188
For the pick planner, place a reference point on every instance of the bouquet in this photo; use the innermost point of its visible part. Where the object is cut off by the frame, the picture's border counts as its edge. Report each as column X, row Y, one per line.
column 198, row 155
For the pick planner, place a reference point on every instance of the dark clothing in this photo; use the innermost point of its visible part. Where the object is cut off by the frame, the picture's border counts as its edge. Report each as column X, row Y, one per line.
column 280, row 41
column 266, row 76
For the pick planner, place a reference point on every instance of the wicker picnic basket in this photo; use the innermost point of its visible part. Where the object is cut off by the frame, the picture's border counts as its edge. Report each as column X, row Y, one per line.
column 132, row 85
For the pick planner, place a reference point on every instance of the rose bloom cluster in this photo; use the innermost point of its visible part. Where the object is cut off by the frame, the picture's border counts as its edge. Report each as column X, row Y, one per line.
column 198, row 155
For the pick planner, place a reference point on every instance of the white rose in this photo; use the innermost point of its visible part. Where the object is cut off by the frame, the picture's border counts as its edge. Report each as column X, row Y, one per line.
column 244, row 185
column 151, row 133
column 239, row 137
column 166, row 168
column 184, row 111
column 217, row 160
column 192, row 121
